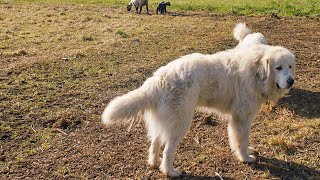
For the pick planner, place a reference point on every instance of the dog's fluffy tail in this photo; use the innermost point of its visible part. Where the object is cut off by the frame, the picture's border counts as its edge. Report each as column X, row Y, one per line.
column 241, row 31
column 128, row 107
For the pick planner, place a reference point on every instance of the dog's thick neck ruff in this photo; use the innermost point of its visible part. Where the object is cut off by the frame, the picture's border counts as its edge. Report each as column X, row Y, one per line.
column 273, row 94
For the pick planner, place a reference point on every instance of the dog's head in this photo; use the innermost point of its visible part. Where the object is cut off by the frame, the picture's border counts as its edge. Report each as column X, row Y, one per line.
column 168, row 3
column 284, row 69
column 129, row 6
column 277, row 71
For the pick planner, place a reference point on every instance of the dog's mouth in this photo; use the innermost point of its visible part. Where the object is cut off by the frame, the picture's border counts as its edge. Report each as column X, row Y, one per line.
column 288, row 87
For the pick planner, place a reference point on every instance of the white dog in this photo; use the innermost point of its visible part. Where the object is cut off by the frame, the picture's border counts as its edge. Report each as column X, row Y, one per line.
column 137, row 4
column 236, row 82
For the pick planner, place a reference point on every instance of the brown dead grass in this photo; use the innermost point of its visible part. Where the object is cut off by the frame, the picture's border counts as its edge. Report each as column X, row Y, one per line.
column 79, row 57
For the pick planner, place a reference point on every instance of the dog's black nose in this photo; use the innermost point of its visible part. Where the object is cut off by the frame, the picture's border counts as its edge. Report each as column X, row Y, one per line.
column 290, row 81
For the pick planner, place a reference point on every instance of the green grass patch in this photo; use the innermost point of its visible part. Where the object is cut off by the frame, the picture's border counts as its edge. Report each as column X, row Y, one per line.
column 100, row 2
column 237, row 7
column 122, row 34
column 87, row 38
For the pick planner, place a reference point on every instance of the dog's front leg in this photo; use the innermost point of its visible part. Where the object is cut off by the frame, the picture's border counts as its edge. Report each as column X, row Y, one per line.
column 140, row 9
column 238, row 131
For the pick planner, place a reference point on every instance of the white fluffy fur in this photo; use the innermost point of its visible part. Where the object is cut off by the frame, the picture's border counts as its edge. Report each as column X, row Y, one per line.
column 241, row 31
column 235, row 82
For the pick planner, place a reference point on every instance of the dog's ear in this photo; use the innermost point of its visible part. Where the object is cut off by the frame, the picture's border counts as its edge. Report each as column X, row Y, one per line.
column 264, row 74
column 294, row 64
column 262, row 67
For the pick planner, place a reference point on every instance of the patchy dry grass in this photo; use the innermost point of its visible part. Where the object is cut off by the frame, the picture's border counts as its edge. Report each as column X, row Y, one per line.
column 59, row 69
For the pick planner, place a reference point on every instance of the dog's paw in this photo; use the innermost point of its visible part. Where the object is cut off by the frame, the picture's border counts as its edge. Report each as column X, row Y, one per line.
column 248, row 159
column 174, row 173
column 153, row 161
column 252, row 151
column 152, row 165
column 170, row 172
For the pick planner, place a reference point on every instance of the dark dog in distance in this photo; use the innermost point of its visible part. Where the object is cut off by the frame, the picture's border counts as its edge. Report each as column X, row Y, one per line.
column 162, row 7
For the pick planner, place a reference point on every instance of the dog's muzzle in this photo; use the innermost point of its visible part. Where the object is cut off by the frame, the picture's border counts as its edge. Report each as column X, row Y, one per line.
column 290, row 82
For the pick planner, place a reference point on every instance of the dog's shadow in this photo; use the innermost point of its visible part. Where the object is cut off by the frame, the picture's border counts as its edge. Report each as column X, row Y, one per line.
column 276, row 168
column 196, row 177
column 304, row 103
column 285, row 170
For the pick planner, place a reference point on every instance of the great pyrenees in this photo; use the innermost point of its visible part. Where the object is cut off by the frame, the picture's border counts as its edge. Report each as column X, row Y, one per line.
column 234, row 82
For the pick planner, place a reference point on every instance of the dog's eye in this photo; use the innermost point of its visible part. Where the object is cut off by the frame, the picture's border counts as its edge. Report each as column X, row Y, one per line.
column 290, row 67
column 279, row 68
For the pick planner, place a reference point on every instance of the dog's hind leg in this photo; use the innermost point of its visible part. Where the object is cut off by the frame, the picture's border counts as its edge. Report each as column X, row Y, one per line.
column 173, row 135
column 154, row 152
column 153, row 134
column 166, row 166
column 175, row 113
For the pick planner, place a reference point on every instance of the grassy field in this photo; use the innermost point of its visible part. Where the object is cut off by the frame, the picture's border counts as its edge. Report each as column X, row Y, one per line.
column 61, row 63
column 237, row 7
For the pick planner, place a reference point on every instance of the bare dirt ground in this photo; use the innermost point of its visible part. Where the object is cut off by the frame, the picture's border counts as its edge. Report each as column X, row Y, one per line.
column 61, row 64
